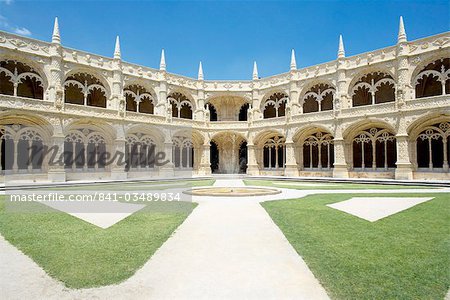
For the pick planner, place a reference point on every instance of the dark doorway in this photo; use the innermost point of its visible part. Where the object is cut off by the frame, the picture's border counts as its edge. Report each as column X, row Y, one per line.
column 243, row 112
column 212, row 112
column 243, row 157
column 214, row 157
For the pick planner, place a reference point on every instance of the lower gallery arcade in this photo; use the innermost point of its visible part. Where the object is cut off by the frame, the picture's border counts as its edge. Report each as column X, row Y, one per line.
column 368, row 149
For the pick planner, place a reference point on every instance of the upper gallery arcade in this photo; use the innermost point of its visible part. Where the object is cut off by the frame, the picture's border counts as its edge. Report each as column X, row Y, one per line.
column 380, row 114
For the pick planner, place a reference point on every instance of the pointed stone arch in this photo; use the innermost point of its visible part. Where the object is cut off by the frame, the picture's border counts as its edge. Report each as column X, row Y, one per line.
column 274, row 104
column 433, row 79
column 86, row 145
column 314, row 146
column 139, row 99
column 371, row 145
column 18, row 78
column 23, row 142
column 229, row 145
column 86, row 87
column 372, row 88
column 183, row 106
column 318, row 97
column 429, row 138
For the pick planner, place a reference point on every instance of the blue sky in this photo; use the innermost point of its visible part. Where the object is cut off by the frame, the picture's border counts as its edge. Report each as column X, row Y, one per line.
column 226, row 36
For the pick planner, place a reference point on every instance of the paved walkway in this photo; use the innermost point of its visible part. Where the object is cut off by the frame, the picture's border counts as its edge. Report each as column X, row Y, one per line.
column 227, row 248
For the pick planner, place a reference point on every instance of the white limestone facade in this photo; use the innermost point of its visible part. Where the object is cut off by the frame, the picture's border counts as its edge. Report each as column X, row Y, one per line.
column 380, row 114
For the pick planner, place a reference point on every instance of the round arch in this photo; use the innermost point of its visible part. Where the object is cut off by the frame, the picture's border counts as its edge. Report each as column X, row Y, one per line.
column 365, row 71
column 100, row 77
column 40, row 70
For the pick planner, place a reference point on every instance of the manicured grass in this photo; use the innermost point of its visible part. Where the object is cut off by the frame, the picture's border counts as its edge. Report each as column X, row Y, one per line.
column 82, row 255
column 403, row 256
column 309, row 185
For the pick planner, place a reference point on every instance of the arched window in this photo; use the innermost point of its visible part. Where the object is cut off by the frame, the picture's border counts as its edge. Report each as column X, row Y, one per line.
column 318, row 151
column 433, row 146
column 243, row 112
column 85, row 150
column 373, row 88
column 181, row 106
column 274, row 152
column 374, row 148
column 212, row 112
column 140, row 152
column 18, row 79
column 84, row 89
column 318, row 98
column 21, row 149
column 275, row 105
column 214, row 156
column 182, row 152
column 138, row 99
column 434, row 79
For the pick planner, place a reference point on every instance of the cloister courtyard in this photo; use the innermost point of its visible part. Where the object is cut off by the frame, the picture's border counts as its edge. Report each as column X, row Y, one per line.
column 312, row 240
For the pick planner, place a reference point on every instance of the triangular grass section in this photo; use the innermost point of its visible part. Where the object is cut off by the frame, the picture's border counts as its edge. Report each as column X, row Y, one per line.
column 403, row 256
column 82, row 255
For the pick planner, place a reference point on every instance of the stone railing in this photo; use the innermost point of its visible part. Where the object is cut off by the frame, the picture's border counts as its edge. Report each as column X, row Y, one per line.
column 8, row 102
column 372, row 109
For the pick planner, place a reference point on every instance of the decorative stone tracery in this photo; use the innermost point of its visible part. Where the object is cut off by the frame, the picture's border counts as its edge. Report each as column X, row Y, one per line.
column 434, row 79
column 138, row 99
column 140, row 151
column 18, row 79
column 374, row 148
column 21, row 149
column 181, row 106
column 275, row 105
column 84, row 89
column 319, row 98
column 433, row 147
column 183, row 152
column 373, row 88
column 318, row 151
column 85, row 149
column 274, row 152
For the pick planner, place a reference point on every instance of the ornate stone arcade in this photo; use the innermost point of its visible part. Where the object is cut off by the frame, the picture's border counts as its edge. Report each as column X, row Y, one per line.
column 380, row 114
column 230, row 152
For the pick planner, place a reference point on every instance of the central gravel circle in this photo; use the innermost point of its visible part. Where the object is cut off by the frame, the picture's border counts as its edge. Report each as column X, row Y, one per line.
column 232, row 192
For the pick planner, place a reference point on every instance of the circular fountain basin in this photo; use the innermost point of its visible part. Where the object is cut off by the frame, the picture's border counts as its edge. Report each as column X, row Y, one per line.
column 232, row 192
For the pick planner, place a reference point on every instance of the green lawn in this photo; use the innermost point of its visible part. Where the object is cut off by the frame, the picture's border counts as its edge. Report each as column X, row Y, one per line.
column 82, row 255
column 134, row 186
column 311, row 185
column 404, row 256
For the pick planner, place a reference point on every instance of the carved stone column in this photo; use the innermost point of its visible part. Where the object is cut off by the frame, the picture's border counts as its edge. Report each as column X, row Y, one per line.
column 293, row 98
column 404, row 168
column 341, row 101
column 291, row 165
column 403, row 90
column 167, row 170
column 252, row 166
column 257, row 114
column 340, row 169
column 200, row 114
column 205, row 163
column 117, row 98
column 117, row 151
column 55, row 88
column 56, row 171
column 161, row 105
